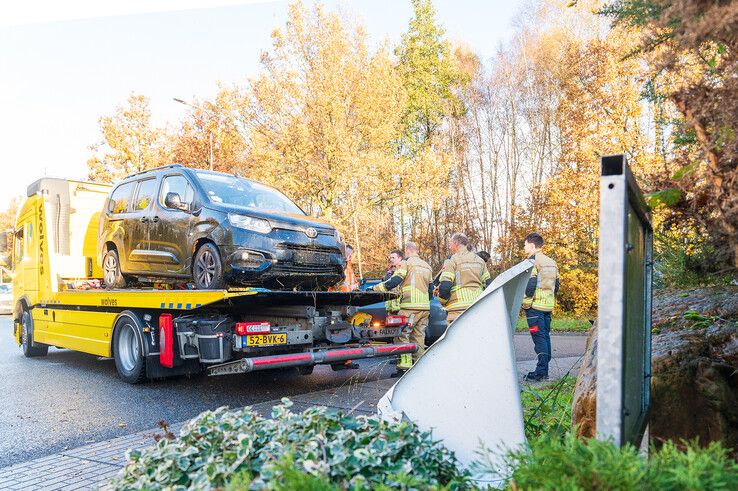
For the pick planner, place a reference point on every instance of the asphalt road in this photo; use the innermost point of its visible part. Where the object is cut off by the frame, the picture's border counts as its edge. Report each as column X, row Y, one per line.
column 68, row 399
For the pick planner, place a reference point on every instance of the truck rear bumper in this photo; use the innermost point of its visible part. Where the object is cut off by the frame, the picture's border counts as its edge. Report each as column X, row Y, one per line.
column 327, row 356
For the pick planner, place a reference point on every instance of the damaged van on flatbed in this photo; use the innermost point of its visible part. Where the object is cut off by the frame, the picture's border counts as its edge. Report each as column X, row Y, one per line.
column 58, row 300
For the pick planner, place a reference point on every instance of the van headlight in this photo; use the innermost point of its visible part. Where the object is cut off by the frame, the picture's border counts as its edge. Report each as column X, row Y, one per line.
column 250, row 223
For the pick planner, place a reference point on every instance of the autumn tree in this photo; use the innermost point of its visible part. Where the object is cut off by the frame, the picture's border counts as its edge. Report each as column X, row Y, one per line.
column 692, row 50
column 217, row 121
column 129, row 142
column 555, row 100
column 429, row 75
column 322, row 119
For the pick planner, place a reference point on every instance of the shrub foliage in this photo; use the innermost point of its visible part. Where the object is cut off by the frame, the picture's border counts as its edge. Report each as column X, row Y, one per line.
column 573, row 464
column 359, row 452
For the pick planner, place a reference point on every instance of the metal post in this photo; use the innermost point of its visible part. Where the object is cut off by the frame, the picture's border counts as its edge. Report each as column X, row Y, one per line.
column 624, row 306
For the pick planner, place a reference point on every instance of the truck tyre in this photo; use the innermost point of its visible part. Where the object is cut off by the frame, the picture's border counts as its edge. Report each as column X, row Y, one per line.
column 112, row 276
column 30, row 349
column 207, row 268
column 128, row 350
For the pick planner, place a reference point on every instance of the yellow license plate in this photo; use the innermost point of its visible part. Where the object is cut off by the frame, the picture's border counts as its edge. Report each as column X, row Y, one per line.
column 266, row 339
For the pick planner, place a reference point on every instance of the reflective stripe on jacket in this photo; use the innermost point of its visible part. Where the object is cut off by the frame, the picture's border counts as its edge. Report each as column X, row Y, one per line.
column 392, row 306
column 469, row 274
column 416, row 275
column 545, row 275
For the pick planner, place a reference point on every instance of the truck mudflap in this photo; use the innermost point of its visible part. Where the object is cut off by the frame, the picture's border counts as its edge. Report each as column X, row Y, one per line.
column 317, row 357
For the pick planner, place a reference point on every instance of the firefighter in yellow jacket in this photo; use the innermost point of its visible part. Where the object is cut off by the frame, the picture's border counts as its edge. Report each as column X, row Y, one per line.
column 540, row 296
column 414, row 276
column 463, row 278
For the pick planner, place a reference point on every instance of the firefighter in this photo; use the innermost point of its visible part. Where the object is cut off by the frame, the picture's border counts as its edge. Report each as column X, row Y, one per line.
column 463, row 278
column 395, row 259
column 540, row 296
column 414, row 276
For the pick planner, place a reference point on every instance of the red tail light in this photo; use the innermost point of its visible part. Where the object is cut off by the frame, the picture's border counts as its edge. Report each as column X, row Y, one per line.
column 395, row 320
column 166, row 340
column 248, row 328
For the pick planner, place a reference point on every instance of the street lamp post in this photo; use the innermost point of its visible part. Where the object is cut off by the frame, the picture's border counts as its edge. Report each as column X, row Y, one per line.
column 210, row 131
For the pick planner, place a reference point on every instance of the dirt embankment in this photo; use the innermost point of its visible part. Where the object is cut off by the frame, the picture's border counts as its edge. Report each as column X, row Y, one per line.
column 694, row 385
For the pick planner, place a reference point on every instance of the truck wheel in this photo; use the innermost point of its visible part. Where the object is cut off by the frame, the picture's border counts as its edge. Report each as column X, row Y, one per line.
column 30, row 349
column 207, row 268
column 128, row 351
column 112, row 276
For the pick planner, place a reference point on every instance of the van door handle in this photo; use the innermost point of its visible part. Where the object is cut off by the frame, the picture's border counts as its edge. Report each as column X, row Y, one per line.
column 155, row 219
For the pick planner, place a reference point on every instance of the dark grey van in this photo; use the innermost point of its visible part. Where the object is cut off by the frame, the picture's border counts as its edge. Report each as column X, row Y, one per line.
column 214, row 230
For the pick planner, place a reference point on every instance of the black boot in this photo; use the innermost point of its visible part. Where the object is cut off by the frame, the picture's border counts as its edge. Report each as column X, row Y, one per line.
column 535, row 377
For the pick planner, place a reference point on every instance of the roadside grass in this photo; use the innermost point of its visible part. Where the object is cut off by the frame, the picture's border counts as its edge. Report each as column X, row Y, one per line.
column 547, row 407
column 563, row 323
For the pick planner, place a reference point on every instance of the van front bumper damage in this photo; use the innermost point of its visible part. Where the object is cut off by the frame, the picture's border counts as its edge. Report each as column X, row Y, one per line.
column 316, row 357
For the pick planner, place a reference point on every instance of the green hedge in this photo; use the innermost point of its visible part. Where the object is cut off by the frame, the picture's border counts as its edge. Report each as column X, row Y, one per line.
column 224, row 447
column 323, row 449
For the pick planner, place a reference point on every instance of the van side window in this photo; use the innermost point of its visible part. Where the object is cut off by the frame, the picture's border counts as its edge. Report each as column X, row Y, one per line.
column 176, row 184
column 146, row 194
column 121, row 198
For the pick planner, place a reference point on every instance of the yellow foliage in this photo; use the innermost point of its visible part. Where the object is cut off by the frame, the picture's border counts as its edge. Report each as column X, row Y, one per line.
column 578, row 291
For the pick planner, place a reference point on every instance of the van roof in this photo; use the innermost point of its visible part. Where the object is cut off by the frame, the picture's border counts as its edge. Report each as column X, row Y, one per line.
column 154, row 169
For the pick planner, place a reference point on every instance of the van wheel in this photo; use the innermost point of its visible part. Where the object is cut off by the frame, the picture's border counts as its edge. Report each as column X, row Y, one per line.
column 128, row 351
column 30, row 349
column 112, row 277
column 207, row 268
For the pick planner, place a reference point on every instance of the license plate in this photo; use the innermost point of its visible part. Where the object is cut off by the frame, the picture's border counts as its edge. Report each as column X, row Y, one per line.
column 266, row 339
column 303, row 257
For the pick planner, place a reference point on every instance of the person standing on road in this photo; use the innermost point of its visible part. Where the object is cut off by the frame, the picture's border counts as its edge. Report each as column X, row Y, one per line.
column 413, row 276
column 540, row 296
column 350, row 283
column 463, row 278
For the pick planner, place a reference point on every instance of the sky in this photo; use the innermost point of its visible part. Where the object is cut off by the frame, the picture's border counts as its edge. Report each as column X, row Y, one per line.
column 65, row 64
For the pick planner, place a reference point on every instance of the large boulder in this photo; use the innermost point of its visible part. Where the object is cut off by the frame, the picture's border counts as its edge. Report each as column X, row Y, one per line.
column 584, row 408
column 694, row 367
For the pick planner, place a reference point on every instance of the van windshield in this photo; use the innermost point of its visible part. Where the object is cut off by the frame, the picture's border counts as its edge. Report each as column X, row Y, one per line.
column 233, row 190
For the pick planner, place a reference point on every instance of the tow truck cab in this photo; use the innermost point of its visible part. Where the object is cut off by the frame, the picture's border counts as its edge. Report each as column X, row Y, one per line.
column 59, row 301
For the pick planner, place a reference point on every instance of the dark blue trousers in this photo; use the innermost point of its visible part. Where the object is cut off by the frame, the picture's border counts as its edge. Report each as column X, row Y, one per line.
column 539, row 325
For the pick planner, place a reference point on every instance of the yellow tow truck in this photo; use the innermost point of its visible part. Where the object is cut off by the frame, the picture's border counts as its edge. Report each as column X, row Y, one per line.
column 58, row 300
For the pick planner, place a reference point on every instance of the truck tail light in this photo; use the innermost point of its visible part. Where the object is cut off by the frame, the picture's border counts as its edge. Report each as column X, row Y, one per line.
column 166, row 341
column 395, row 320
column 249, row 328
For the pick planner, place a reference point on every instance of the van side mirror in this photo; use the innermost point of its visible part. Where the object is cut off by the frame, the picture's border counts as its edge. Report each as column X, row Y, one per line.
column 172, row 200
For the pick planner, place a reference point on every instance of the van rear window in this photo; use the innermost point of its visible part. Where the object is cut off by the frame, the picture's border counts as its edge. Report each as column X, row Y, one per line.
column 120, row 199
